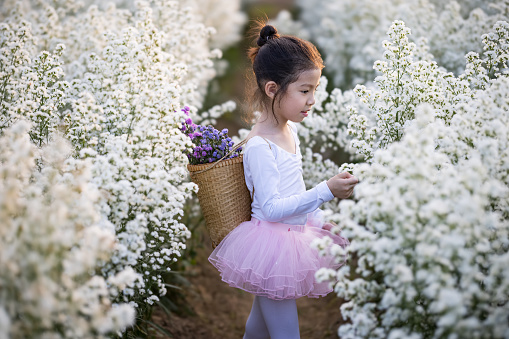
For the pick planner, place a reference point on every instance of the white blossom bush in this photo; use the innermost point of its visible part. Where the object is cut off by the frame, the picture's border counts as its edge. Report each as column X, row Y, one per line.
column 349, row 32
column 137, row 146
column 52, row 244
column 428, row 245
column 429, row 224
column 115, row 91
column 132, row 132
column 31, row 88
column 406, row 81
column 189, row 33
column 481, row 124
column 211, row 14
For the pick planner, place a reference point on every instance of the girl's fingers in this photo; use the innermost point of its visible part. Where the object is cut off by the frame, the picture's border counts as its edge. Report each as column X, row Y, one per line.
column 344, row 175
column 351, row 181
column 327, row 226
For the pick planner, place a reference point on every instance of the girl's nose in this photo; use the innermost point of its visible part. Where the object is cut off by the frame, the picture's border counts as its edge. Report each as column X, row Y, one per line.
column 311, row 100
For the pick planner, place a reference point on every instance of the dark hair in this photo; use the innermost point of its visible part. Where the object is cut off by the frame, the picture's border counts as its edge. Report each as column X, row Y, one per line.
column 281, row 59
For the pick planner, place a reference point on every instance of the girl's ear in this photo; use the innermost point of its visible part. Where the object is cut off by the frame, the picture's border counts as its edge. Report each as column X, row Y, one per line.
column 271, row 89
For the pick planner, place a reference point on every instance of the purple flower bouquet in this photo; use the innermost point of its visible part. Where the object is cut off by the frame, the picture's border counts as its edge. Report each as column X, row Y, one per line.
column 210, row 144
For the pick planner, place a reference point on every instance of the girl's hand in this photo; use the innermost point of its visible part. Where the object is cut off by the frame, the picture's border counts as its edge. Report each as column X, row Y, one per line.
column 342, row 185
column 329, row 225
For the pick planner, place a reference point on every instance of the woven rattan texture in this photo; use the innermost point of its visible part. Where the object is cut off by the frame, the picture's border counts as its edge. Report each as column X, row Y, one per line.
column 223, row 195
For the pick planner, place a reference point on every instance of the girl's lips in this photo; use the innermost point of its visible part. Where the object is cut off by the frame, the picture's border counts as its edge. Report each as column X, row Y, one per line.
column 305, row 113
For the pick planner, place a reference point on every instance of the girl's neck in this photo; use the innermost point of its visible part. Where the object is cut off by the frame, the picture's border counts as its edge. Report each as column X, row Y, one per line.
column 277, row 132
column 269, row 123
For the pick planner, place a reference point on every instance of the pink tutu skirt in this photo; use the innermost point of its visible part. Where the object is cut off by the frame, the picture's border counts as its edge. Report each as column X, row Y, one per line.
column 274, row 260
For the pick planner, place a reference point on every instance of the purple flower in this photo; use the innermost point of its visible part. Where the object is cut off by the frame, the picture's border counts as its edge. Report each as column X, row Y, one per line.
column 210, row 144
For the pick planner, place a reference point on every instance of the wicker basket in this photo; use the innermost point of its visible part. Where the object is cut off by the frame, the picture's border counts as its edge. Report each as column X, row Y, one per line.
column 224, row 198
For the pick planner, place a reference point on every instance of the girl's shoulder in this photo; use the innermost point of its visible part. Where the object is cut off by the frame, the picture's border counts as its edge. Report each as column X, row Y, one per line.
column 265, row 141
column 258, row 140
column 258, row 143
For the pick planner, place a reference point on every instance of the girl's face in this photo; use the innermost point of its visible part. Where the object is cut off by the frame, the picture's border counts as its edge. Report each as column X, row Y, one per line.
column 299, row 97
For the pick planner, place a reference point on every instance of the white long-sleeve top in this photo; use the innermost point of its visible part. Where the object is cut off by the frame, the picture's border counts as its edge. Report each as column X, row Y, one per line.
column 280, row 194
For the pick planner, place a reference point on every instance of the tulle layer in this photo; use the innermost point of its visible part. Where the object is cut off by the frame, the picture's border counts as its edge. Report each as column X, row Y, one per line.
column 274, row 260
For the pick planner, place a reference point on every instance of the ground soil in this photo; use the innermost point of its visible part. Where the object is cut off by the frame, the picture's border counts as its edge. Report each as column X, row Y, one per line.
column 221, row 311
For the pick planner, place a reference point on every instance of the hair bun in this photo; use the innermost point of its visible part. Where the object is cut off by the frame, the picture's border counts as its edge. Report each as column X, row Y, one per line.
column 266, row 33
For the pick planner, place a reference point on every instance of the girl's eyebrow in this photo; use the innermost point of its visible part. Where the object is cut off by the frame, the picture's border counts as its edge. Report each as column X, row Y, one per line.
column 309, row 85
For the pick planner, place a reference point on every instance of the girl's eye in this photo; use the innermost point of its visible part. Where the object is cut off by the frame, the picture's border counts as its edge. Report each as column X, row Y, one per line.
column 305, row 92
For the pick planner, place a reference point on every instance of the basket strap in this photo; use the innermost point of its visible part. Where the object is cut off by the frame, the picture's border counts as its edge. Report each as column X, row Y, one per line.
column 268, row 143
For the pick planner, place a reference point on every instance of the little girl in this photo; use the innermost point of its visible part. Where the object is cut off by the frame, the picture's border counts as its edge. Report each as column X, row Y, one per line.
column 270, row 256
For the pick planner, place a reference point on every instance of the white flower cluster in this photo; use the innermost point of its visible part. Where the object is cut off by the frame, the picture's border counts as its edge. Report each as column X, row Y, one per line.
column 137, row 147
column 31, row 88
column 349, row 32
column 188, row 31
column 51, row 238
column 115, row 92
column 223, row 17
column 405, row 82
column 429, row 226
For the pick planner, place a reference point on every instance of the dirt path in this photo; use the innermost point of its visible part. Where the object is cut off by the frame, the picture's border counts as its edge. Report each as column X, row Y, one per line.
column 221, row 311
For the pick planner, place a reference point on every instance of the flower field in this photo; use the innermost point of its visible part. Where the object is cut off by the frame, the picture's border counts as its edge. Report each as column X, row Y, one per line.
column 96, row 205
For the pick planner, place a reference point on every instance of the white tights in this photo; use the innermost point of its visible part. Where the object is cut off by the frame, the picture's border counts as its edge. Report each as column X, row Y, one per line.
column 275, row 319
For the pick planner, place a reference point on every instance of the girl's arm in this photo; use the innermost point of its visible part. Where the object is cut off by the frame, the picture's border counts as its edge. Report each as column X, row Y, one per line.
column 266, row 176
